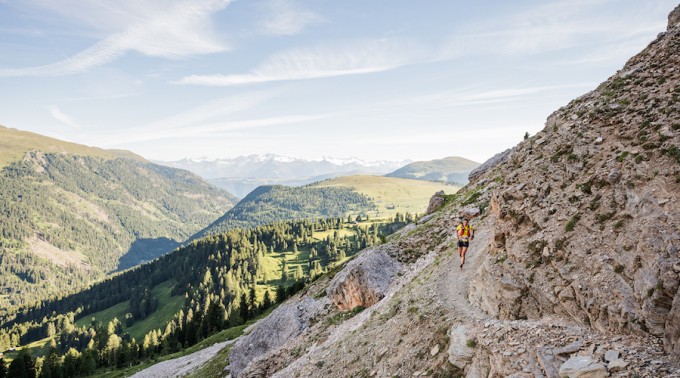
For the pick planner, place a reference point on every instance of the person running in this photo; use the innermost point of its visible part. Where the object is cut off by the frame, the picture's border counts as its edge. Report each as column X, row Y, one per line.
column 464, row 233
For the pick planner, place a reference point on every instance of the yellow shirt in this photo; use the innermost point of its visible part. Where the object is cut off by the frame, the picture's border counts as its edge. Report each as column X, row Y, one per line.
column 464, row 232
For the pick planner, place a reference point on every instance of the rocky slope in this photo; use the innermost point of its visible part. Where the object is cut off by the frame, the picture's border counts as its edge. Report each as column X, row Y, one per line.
column 574, row 270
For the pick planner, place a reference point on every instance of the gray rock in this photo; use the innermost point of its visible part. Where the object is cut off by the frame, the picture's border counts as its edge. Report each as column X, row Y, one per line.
column 425, row 218
column 611, row 355
column 364, row 281
column 286, row 322
column 470, row 212
column 571, row 348
column 617, row 365
column 582, row 367
column 460, row 354
column 614, row 176
column 436, row 202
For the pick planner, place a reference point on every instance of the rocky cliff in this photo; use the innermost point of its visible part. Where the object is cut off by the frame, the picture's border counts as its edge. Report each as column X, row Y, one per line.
column 574, row 270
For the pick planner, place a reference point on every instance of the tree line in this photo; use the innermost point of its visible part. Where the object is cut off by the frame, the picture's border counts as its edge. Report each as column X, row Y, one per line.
column 222, row 278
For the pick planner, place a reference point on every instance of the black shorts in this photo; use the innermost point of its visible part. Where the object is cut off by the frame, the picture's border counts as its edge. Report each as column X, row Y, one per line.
column 462, row 244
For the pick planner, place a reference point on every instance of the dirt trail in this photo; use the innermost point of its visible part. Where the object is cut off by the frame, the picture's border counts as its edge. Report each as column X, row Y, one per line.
column 455, row 286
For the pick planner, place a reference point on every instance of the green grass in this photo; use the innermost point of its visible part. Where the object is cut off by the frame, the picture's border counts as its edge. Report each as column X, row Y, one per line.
column 15, row 143
column 214, row 368
column 392, row 195
column 168, row 306
column 37, row 348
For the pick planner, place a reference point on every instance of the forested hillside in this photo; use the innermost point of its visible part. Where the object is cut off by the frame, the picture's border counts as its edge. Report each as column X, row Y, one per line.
column 68, row 219
column 268, row 204
column 222, row 280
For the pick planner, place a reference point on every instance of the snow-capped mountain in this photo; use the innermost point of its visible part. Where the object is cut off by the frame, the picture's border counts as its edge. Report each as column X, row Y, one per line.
column 241, row 174
column 281, row 167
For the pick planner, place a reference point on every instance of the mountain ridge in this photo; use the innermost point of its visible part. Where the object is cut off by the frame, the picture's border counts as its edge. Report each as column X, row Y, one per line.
column 15, row 143
column 452, row 169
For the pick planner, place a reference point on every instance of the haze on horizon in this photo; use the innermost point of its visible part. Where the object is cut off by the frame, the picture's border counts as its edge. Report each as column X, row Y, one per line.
column 376, row 81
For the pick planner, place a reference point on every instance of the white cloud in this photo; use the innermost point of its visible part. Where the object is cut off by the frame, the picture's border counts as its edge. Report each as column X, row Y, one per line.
column 284, row 17
column 61, row 116
column 158, row 29
column 359, row 57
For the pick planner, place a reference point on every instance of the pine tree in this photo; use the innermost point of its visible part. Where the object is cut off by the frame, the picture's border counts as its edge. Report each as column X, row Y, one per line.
column 267, row 301
column 243, row 308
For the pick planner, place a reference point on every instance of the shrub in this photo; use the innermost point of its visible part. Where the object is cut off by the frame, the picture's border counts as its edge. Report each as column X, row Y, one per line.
column 572, row 223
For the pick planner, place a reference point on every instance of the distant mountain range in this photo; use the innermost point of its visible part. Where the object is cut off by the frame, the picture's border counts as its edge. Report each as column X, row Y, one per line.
column 453, row 169
column 242, row 174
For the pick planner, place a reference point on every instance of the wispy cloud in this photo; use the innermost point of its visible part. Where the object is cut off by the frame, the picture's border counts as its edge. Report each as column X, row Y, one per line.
column 60, row 116
column 354, row 58
column 549, row 27
column 215, row 118
column 208, row 130
column 284, row 17
column 174, row 30
column 539, row 30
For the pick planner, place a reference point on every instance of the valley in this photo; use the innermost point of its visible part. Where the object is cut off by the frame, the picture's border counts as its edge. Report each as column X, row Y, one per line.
column 266, row 265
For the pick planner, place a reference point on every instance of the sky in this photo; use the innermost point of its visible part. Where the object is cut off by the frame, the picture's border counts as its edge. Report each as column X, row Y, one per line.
column 376, row 80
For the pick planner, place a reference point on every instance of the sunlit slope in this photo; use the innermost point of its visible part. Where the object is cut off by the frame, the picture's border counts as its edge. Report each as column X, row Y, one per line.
column 390, row 194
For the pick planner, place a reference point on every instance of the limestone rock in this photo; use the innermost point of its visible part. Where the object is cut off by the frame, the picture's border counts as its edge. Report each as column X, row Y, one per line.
column 582, row 367
column 611, row 355
column 617, row 365
column 460, row 354
column 364, row 280
column 436, row 202
column 287, row 321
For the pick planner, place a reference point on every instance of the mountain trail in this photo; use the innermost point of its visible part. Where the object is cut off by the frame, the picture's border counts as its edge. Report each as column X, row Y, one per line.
column 454, row 288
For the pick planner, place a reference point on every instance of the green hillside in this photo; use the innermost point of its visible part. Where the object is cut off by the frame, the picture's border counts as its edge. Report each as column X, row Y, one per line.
column 391, row 195
column 66, row 219
column 375, row 196
column 269, row 204
column 451, row 169
column 176, row 301
column 14, row 144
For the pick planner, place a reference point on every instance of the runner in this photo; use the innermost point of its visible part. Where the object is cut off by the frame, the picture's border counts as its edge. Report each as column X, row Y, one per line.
column 464, row 233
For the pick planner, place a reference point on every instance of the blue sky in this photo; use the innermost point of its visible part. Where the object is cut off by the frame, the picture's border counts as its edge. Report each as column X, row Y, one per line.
column 375, row 80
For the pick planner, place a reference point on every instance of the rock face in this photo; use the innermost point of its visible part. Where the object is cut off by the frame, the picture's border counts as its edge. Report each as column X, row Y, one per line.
column 489, row 165
column 587, row 216
column 674, row 18
column 364, row 281
column 436, row 202
column 284, row 323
